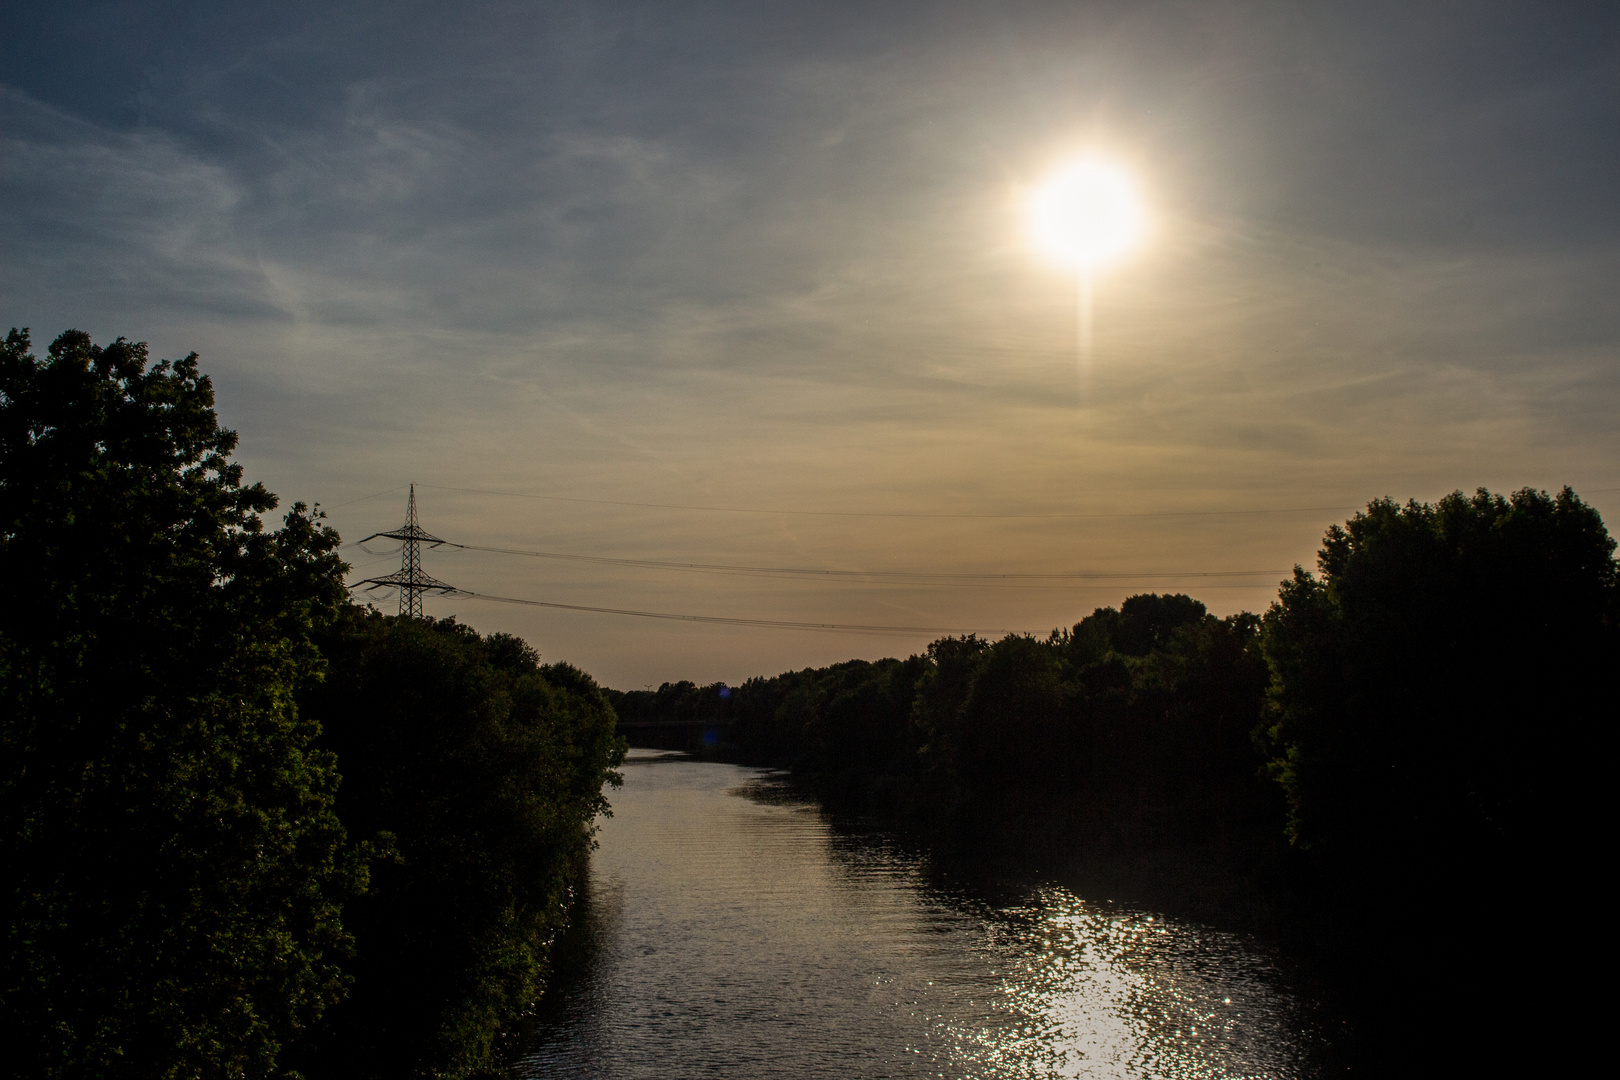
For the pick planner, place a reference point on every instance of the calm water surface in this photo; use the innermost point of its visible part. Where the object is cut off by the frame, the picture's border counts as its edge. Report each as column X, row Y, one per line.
column 732, row 930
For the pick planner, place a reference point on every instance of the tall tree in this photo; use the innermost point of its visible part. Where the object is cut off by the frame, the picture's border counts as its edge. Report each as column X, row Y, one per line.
column 482, row 770
column 1434, row 688
column 1438, row 696
column 172, row 861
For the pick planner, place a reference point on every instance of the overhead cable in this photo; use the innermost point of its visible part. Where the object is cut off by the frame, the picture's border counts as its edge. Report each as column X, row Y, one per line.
column 724, row 620
column 913, row 576
column 895, row 514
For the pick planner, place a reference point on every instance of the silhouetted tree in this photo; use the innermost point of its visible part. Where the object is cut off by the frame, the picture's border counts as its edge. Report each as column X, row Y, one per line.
column 1143, row 716
column 1146, row 622
column 855, row 722
column 172, row 865
column 1436, row 685
column 1440, row 693
column 942, row 691
column 1018, row 727
column 481, row 770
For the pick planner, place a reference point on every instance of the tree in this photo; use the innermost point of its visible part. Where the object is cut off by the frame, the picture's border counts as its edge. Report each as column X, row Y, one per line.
column 482, row 770
column 1436, row 689
column 859, row 743
column 173, row 866
column 1019, row 728
column 1147, row 621
column 1438, row 697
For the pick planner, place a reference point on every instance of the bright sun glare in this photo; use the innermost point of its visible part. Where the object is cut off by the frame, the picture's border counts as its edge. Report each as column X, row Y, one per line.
column 1087, row 214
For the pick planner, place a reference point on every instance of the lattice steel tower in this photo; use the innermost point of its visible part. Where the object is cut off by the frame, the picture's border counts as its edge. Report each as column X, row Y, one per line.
column 409, row 579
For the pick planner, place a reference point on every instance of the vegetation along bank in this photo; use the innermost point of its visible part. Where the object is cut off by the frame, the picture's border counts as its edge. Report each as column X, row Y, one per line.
column 247, row 828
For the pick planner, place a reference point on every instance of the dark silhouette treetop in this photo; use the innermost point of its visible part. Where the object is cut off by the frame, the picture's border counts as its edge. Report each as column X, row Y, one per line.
column 1429, row 684
column 173, row 860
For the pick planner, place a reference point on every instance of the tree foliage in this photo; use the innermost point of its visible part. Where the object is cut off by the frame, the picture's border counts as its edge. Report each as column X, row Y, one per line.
column 173, row 865
column 482, row 771
column 1440, row 691
column 1439, row 684
column 1140, row 716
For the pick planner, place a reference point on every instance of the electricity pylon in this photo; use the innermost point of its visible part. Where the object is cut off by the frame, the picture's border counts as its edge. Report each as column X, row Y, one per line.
column 409, row 579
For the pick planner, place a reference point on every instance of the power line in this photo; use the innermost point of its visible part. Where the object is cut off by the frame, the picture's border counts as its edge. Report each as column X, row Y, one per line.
column 1005, row 580
column 412, row 582
column 723, row 620
column 895, row 514
column 363, row 498
column 921, row 577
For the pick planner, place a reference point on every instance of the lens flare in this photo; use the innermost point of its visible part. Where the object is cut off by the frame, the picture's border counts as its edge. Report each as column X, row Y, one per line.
column 1087, row 214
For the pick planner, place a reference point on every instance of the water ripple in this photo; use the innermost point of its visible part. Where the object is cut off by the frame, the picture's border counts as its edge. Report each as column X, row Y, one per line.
column 729, row 929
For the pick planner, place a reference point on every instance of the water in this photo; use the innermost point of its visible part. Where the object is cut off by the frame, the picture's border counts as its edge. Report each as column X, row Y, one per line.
column 731, row 930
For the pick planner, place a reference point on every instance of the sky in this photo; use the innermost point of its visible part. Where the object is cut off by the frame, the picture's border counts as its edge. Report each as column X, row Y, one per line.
column 749, row 285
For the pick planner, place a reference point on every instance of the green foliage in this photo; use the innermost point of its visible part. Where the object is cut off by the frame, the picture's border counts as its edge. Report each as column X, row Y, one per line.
column 1440, row 690
column 1437, row 687
column 173, row 864
column 482, row 770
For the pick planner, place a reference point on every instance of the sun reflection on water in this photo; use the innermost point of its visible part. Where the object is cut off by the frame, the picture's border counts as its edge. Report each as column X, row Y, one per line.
column 1090, row 991
column 734, row 929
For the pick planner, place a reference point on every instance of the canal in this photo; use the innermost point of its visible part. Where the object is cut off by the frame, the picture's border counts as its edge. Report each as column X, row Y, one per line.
column 731, row 929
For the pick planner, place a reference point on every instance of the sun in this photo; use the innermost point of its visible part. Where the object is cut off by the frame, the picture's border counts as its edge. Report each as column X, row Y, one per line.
column 1087, row 214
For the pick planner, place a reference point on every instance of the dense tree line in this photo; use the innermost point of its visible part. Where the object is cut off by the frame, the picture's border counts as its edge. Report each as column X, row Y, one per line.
column 1438, row 689
column 1137, row 724
column 245, row 828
